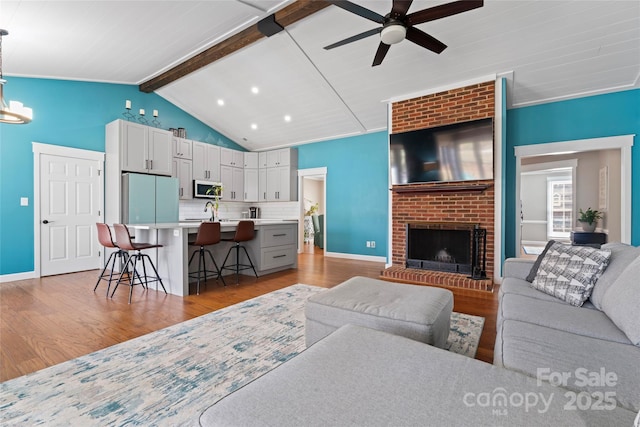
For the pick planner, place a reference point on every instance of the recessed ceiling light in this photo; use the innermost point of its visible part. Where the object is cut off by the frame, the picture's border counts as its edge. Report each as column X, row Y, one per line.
column 287, row 118
column 254, row 126
column 221, row 102
column 255, row 90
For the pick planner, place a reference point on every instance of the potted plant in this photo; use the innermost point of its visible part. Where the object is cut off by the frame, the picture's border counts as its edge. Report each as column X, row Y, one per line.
column 589, row 219
column 217, row 193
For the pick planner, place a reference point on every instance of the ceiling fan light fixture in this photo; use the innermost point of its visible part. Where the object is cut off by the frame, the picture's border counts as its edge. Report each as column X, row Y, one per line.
column 392, row 34
column 15, row 112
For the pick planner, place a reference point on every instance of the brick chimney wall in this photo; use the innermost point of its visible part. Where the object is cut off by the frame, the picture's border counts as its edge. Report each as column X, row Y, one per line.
column 465, row 206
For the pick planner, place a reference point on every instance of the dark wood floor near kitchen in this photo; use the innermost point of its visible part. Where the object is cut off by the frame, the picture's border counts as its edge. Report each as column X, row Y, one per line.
column 50, row 320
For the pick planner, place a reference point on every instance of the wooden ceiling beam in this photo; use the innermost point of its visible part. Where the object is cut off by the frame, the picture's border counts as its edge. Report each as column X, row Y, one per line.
column 286, row 16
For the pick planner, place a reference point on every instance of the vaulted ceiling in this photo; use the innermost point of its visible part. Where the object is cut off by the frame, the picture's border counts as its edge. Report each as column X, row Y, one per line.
column 548, row 50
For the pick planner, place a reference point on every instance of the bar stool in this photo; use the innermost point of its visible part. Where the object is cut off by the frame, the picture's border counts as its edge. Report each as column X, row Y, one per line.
column 208, row 234
column 106, row 240
column 123, row 240
column 244, row 233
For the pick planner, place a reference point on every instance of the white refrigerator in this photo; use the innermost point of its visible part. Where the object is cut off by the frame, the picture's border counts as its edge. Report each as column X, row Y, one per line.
column 149, row 199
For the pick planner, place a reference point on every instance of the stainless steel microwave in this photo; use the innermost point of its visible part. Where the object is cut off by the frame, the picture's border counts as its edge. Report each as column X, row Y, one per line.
column 207, row 189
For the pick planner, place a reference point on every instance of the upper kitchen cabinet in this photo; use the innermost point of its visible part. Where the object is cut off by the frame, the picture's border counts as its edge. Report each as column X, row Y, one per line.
column 250, row 160
column 282, row 157
column 182, row 169
column 141, row 148
column 182, row 148
column 282, row 177
column 229, row 157
column 232, row 180
column 262, row 159
column 206, row 161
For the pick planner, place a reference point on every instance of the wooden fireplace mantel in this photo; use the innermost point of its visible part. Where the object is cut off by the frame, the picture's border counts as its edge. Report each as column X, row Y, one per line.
column 441, row 188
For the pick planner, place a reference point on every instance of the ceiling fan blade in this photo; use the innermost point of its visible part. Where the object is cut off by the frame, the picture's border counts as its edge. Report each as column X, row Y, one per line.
column 443, row 11
column 354, row 38
column 358, row 10
column 425, row 40
column 400, row 8
column 380, row 54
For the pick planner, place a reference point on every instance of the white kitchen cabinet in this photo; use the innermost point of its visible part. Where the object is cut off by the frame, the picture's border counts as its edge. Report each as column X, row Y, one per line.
column 282, row 181
column 262, row 159
column 282, row 157
column 206, row 161
column 182, row 169
column 280, row 184
column 251, row 187
column 250, row 160
column 229, row 157
column 182, row 147
column 144, row 149
column 232, row 183
column 262, row 185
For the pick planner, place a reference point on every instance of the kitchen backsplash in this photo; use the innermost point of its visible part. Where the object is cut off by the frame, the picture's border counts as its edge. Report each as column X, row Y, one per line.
column 192, row 209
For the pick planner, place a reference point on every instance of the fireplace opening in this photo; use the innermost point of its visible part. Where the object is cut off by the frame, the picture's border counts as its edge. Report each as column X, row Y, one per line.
column 454, row 248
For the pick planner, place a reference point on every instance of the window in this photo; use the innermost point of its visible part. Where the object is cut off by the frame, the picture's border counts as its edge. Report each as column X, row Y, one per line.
column 559, row 207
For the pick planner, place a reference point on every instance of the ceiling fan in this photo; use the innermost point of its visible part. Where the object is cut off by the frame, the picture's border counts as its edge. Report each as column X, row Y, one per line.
column 397, row 25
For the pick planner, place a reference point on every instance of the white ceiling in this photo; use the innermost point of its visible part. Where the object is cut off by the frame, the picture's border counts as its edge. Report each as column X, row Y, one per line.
column 549, row 50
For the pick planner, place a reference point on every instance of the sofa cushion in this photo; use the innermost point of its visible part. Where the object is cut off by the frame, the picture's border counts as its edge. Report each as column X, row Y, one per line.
column 559, row 315
column 533, row 349
column 570, row 272
column 362, row 377
column 621, row 256
column 522, row 287
column 536, row 264
column 622, row 302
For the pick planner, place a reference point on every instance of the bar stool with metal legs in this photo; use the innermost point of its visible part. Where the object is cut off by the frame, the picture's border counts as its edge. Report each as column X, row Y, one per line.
column 208, row 234
column 244, row 233
column 123, row 240
column 106, row 240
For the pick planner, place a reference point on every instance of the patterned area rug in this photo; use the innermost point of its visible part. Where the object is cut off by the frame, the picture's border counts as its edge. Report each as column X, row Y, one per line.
column 170, row 376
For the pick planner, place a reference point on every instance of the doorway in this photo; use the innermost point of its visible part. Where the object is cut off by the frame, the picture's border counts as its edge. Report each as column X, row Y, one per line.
column 547, row 208
column 617, row 214
column 312, row 185
column 68, row 201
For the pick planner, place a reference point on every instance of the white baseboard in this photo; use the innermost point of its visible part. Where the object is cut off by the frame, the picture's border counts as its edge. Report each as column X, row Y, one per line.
column 17, row 276
column 356, row 257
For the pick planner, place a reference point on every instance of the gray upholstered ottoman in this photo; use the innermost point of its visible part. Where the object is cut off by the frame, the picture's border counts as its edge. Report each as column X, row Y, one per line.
column 421, row 313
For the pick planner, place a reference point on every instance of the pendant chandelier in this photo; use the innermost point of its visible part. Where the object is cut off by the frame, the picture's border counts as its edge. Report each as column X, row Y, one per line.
column 15, row 112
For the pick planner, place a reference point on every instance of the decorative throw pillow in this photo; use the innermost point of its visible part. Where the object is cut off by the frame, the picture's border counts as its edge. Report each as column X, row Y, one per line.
column 536, row 265
column 622, row 299
column 570, row 272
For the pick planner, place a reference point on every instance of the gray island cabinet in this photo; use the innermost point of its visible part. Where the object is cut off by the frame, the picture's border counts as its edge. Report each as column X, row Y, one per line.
column 273, row 249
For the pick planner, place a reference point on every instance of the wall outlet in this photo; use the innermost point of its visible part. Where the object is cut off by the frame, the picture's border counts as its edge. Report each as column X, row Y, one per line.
column 373, row 243
column 368, row 244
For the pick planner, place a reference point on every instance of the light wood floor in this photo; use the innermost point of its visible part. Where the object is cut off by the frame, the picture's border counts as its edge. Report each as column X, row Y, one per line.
column 54, row 319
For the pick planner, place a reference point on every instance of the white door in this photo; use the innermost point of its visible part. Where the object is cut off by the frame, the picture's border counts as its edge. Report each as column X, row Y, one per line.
column 69, row 209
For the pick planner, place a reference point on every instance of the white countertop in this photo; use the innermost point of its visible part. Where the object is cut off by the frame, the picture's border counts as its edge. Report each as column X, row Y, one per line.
column 229, row 225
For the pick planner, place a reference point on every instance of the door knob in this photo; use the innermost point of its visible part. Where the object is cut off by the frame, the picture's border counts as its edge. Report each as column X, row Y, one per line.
column 46, row 221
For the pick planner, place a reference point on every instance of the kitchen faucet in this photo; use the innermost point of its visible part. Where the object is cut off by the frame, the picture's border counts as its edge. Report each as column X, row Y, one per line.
column 207, row 205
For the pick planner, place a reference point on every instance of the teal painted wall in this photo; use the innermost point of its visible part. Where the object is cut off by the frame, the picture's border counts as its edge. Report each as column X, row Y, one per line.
column 590, row 117
column 357, row 191
column 71, row 114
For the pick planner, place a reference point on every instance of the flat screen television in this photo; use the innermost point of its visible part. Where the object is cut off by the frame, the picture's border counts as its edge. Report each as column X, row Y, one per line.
column 457, row 152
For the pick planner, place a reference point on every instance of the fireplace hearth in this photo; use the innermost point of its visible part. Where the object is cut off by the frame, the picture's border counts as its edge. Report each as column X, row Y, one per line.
column 448, row 247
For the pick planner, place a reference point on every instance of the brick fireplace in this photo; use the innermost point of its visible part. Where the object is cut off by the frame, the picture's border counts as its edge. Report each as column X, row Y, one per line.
column 463, row 204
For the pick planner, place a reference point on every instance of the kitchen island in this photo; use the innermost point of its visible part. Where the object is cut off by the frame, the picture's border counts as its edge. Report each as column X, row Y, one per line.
column 273, row 249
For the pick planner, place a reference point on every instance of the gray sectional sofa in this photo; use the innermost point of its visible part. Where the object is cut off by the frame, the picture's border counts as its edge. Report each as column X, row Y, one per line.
column 580, row 348
column 565, row 365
